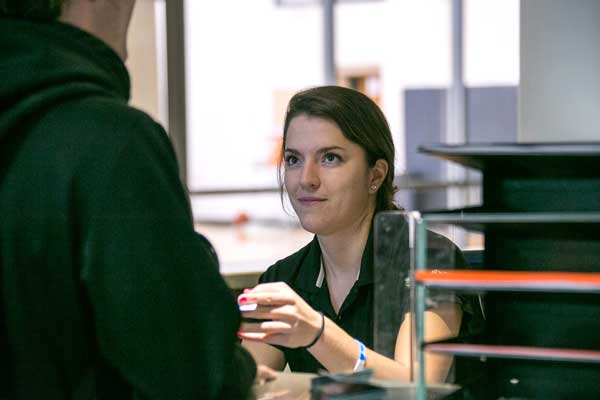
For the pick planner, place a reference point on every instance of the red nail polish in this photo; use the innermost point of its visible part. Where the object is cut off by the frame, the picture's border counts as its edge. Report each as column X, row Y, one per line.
column 243, row 299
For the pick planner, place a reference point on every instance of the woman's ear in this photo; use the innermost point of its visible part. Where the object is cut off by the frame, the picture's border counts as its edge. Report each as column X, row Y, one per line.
column 378, row 173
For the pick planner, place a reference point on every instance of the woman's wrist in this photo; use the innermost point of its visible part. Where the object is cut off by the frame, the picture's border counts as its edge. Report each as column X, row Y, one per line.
column 361, row 360
column 321, row 328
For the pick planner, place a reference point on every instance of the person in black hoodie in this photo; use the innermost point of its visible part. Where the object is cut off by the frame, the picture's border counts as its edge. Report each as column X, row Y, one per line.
column 106, row 290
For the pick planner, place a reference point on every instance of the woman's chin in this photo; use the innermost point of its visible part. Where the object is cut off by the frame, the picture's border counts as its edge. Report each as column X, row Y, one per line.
column 315, row 227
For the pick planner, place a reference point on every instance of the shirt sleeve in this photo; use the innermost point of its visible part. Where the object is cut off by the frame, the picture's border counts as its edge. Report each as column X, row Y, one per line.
column 163, row 316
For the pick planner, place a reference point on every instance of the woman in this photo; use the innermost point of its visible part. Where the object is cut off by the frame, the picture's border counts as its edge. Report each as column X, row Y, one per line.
column 317, row 304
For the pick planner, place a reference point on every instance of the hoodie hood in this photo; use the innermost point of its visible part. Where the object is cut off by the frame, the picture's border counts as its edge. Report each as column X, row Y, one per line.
column 46, row 63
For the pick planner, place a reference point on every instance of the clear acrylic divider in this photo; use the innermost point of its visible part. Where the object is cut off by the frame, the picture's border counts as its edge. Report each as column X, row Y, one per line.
column 404, row 243
column 392, row 270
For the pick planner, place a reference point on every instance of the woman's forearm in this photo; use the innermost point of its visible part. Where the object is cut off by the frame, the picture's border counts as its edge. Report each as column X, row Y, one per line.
column 338, row 352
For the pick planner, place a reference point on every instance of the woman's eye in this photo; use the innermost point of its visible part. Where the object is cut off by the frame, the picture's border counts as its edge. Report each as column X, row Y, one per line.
column 291, row 160
column 331, row 158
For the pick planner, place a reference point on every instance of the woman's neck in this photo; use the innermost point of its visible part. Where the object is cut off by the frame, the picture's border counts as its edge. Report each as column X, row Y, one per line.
column 342, row 251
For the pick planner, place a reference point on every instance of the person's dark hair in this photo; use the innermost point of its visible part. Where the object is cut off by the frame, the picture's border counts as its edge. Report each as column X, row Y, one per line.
column 31, row 9
column 360, row 120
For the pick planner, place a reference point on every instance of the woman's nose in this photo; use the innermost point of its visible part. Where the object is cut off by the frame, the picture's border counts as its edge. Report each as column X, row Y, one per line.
column 310, row 176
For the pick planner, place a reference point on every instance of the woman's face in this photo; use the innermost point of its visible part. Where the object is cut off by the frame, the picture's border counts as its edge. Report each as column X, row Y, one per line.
column 326, row 176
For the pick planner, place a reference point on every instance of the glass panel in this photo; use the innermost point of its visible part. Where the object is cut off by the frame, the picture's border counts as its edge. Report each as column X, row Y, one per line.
column 392, row 268
column 404, row 243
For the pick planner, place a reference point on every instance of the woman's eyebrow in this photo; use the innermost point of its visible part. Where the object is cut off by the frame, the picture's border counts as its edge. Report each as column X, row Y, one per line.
column 329, row 148
column 319, row 151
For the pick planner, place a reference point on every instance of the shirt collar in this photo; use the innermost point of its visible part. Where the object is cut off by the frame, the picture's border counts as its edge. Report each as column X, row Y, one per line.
column 312, row 273
column 321, row 276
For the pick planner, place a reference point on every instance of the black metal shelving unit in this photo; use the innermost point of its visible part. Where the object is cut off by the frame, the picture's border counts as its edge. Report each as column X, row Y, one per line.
column 540, row 215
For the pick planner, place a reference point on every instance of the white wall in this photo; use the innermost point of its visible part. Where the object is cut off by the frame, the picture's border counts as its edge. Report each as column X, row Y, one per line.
column 240, row 52
column 560, row 71
column 409, row 42
column 491, row 42
column 142, row 60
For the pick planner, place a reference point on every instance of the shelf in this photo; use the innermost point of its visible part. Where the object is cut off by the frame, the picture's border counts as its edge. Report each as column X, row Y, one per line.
column 480, row 219
column 540, row 215
column 522, row 158
column 484, row 216
column 574, row 282
column 520, row 352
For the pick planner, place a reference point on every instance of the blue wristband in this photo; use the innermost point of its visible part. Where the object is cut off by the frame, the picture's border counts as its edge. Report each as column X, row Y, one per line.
column 362, row 357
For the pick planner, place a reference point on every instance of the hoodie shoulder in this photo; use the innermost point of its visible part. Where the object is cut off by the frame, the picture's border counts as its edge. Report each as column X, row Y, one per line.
column 94, row 138
column 101, row 123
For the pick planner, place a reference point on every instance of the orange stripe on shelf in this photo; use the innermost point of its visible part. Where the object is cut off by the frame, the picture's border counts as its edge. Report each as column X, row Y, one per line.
column 507, row 277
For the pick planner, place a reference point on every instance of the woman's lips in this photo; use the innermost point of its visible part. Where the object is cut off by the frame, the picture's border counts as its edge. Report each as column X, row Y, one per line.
column 310, row 200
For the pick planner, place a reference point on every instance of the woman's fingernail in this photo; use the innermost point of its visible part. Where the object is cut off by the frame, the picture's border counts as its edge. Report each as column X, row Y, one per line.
column 240, row 335
column 243, row 299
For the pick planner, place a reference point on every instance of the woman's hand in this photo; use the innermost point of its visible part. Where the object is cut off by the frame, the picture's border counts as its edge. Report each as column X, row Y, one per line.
column 287, row 319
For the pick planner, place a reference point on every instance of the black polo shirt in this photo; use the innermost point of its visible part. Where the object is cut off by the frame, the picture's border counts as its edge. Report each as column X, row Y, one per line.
column 302, row 272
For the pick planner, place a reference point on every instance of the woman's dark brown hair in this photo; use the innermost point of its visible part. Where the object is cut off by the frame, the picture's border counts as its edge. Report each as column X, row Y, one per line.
column 31, row 9
column 360, row 120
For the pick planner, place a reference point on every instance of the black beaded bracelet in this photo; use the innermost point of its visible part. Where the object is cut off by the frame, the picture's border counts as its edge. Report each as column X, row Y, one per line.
column 319, row 334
